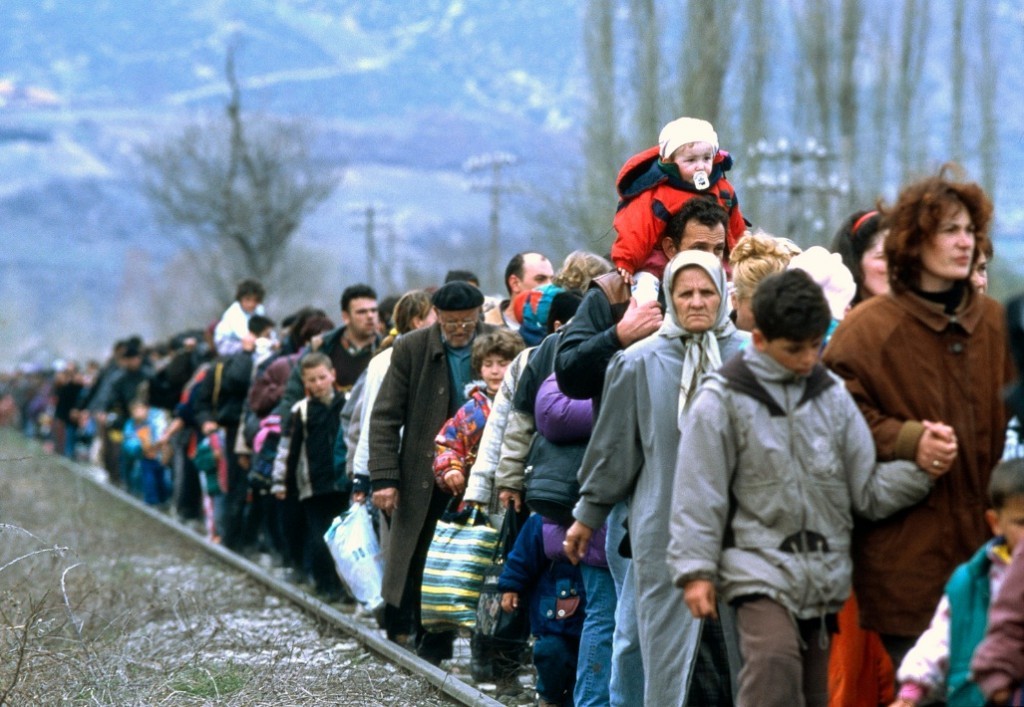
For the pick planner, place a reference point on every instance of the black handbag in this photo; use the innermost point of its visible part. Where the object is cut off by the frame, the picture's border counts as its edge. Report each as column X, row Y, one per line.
column 491, row 621
column 552, row 487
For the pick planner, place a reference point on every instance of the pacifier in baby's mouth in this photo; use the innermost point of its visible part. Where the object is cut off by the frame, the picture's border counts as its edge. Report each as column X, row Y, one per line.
column 700, row 180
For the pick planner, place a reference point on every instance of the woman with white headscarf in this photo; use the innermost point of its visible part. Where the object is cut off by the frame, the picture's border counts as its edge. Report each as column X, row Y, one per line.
column 631, row 456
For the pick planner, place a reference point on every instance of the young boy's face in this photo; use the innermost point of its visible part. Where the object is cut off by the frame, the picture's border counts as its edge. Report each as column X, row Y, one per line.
column 1008, row 521
column 249, row 303
column 692, row 158
column 798, row 357
column 492, row 370
column 318, row 381
column 139, row 413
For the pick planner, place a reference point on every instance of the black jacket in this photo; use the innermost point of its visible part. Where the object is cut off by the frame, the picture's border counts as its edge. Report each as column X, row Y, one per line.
column 585, row 346
column 314, row 436
column 220, row 397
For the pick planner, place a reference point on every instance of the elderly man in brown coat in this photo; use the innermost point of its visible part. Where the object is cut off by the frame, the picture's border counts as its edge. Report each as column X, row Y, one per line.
column 423, row 387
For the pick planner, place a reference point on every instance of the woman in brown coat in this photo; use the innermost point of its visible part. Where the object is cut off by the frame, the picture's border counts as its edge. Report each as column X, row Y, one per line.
column 926, row 364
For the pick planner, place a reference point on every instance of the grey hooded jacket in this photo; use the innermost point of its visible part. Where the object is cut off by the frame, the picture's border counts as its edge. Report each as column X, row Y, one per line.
column 771, row 468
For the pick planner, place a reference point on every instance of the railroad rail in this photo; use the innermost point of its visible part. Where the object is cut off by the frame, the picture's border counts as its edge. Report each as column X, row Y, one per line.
column 446, row 682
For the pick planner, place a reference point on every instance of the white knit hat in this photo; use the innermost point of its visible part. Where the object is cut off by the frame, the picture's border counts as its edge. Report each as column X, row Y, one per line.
column 832, row 276
column 683, row 131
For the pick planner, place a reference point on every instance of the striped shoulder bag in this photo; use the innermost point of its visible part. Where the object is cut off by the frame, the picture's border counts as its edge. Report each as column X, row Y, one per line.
column 460, row 552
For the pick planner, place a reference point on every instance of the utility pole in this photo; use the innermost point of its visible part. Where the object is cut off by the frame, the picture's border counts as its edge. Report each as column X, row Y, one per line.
column 371, row 246
column 368, row 218
column 803, row 177
column 492, row 164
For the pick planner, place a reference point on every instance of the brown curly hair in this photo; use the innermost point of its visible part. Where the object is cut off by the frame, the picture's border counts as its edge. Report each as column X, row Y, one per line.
column 914, row 219
column 501, row 342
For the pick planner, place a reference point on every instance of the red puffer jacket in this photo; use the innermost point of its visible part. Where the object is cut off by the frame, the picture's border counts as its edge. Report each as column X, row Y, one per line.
column 648, row 197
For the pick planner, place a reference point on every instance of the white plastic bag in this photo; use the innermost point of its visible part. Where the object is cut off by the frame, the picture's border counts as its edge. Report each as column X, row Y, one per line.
column 357, row 556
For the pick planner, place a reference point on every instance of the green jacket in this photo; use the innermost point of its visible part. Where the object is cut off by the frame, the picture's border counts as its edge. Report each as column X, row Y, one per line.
column 969, row 592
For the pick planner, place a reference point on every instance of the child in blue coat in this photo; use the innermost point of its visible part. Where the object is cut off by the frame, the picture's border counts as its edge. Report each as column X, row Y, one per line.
column 142, row 435
column 538, row 568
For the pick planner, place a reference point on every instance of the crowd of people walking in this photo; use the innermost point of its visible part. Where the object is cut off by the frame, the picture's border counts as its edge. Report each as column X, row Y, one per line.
column 741, row 472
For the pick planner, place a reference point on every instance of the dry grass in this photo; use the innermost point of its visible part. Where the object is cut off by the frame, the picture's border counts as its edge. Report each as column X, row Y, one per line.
column 99, row 607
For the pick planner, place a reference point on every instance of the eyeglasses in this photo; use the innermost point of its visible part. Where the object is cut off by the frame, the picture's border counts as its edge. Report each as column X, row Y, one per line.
column 459, row 324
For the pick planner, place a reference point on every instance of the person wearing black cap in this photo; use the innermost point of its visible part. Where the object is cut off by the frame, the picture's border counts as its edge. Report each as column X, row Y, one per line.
column 424, row 386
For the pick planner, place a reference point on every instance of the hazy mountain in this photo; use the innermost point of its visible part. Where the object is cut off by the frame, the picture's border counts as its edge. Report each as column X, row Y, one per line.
column 403, row 94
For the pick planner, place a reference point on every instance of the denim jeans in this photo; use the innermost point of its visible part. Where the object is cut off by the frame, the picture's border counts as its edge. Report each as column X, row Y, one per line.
column 70, row 437
column 554, row 657
column 627, row 678
column 593, row 669
column 153, row 477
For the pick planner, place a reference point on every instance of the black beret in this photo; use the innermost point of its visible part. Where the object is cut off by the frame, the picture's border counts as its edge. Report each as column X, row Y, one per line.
column 457, row 295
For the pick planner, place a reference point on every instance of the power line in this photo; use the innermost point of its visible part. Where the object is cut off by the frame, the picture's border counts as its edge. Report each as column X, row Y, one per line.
column 493, row 164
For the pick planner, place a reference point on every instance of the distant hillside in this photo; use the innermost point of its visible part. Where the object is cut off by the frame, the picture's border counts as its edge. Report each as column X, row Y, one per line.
column 402, row 93
column 340, row 59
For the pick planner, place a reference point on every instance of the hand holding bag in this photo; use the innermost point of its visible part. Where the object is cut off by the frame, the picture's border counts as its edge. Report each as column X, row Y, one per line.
column 460, row 552
column 491, row 621
column 357, row 556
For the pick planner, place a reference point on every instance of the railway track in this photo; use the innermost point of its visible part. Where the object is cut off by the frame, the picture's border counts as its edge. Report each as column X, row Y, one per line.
column 370, row 639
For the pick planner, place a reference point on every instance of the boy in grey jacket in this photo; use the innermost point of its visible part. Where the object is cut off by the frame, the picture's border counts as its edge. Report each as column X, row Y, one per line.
column 775, row 459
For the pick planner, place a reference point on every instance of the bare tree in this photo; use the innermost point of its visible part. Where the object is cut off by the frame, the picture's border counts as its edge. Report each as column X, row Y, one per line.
column 647, row 115
column 590, row 213
column 913, row 45
column 847, row 99
column 987, row 92
column 704, row 59
column 882, row 28
column 755, row 77
column 957, row 74
column 237, row 186
column 813, row 22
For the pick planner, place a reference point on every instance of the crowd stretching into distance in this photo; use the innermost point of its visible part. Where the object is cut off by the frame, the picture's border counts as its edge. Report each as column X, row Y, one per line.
column 785, row 477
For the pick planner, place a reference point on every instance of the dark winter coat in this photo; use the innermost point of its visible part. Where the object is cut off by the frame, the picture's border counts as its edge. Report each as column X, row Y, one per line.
column 167, row 384
column 123, row 390
column 413, row 403
column 540, row 366
column 541, row 579
column 587, row 343
column 311, row 460
column 222, row 403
